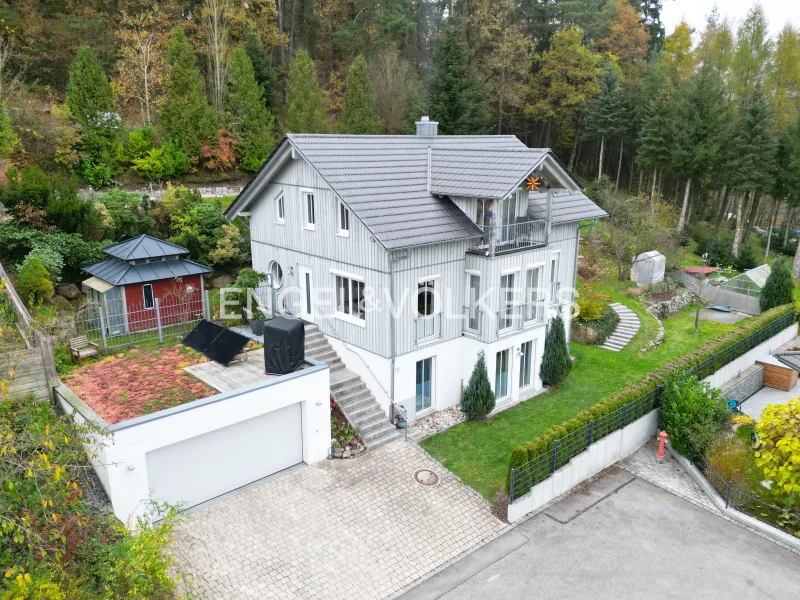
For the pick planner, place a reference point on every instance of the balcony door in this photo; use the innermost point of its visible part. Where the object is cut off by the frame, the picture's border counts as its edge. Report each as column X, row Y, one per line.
column 507, row 217
column 426, row 309
column 424, row 385
column 501, row 375
column 506, row 316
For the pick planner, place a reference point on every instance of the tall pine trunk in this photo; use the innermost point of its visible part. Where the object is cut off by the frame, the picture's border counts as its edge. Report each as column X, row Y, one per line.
column 280, row 30
column 682, row 220
column 619, row 166
column 737, row 236
column 753, row 215
column 571, row 163
column 773, row 218
column 653, row 193
column 787, row 224
column 602, row 150
column 723, row 209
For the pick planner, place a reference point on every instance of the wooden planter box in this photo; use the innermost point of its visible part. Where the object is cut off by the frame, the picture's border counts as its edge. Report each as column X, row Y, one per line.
column 780, row 378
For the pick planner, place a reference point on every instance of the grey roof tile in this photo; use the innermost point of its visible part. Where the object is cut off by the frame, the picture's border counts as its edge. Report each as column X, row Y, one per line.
column 567, row 207
column 118, row 272
column 144, row 246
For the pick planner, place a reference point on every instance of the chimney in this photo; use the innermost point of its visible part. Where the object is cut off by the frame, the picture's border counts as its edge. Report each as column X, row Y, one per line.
column 426, row 127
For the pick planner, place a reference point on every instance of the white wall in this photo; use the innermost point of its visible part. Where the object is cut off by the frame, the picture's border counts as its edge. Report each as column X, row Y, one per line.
column 597, row 457
column 125, row 471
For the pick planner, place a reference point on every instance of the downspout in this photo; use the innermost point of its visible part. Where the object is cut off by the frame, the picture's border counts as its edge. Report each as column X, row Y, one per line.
column 392, row 326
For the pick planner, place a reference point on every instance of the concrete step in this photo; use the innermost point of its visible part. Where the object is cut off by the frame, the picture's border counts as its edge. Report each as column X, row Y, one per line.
column 368, row 432
column 342, row 385
column 358, row 405
column 315, row 344
column 383, row 436
column 367, row 421
column 344, row 393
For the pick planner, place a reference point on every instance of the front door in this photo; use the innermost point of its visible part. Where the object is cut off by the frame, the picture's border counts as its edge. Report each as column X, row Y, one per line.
column 306, row 294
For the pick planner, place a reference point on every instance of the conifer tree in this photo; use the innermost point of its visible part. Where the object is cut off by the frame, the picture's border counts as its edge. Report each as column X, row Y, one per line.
column 556, row 363
column 186, row 114
column 305, row 107
column 779, row 286
column 478, row 398
column 90, row 101
column 249, row 120
column 606, row 116
column 358, row 107
column 265, row 73
column 456, row 98
column 8, row 139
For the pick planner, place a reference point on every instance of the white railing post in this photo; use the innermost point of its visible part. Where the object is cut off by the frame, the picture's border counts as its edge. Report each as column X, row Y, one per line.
column 206, row 305
column 158, row 321
column 102, row 328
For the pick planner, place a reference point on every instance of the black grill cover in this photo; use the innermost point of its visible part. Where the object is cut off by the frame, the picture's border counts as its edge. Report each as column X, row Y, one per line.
column 284, row 345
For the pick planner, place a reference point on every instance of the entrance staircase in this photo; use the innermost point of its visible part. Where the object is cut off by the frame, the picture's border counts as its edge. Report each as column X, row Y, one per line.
column 351, row 393
column 627, row 327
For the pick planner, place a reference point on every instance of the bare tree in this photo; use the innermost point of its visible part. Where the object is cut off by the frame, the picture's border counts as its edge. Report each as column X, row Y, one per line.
column 216, row 21
column 396, row 91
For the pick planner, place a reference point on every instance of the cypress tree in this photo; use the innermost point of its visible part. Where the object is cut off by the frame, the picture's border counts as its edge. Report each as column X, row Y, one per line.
column 779, row 286
column 8, row 139
column 358, row 107
column 456, row 98
column 265, row 74
column 186, row 114
column 478, row 398
column 90, row 101
column 305, row 107
column 248, row 118
column 556, row 363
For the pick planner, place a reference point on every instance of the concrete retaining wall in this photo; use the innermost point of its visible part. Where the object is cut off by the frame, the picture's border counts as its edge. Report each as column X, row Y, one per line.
column 745, row 385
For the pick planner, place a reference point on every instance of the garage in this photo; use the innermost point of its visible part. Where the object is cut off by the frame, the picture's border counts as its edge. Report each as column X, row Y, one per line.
column 205, row 466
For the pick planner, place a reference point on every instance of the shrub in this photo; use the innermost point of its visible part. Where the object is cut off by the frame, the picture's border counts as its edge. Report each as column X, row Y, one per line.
column 247, row 279
column 96, row 174
column 719, row 252
column 164, row 162
column 52, row 261
column 779, row 431
column 556, row 363
column 747, row 259
column 478, row 398
column 692, row 412
column 779, row 286
column 589, row 310
column 730, row 457
column 667, row 285
column 519, row 456
column 34, row 282
column 140, row 142
column 605, row 325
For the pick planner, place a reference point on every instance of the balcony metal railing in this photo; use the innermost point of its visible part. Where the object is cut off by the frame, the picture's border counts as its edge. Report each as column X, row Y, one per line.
column 498, row 239
column 524, row 316
column 428, row 327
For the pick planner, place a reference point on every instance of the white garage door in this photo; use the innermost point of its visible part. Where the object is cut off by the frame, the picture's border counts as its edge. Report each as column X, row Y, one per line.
column 203, row 467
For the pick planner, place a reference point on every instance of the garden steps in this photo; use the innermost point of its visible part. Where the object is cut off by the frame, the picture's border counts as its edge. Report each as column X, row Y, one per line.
column 627, row 328
column 350, row 392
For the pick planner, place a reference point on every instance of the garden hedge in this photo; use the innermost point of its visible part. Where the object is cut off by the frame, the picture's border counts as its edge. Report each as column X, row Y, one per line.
column 544, row 442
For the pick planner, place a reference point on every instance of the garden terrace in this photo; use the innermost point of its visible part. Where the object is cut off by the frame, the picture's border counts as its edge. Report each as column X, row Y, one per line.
column 138, row 382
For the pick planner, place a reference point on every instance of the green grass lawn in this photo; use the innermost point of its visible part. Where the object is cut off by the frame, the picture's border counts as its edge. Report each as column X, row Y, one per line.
column 478, row 451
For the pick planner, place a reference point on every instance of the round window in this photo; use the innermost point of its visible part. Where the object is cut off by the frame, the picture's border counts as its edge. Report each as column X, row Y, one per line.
column 277, row 274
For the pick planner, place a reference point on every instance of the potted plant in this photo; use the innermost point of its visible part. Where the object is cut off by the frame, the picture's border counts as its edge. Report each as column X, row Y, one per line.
column 250, row 279
column 256, row 320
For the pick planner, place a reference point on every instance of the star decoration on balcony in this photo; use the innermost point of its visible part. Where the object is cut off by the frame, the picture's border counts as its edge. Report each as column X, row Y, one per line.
column 534, row 183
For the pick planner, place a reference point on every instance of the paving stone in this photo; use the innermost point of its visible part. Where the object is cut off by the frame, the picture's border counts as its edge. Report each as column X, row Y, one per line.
column 361, row 528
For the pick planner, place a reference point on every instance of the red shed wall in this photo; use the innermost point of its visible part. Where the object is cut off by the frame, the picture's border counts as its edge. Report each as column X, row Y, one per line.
column 176, row 305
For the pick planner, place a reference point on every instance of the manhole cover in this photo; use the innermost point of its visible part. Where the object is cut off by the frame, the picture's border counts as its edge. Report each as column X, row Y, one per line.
column 426, row 477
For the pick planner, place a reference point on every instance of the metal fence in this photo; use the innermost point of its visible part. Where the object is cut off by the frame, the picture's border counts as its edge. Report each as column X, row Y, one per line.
column 524, row 477
column 564, row 449
column 745, row 502
column 116, row 324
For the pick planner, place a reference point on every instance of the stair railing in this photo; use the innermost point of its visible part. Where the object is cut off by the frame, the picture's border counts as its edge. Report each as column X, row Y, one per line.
column 396, row 408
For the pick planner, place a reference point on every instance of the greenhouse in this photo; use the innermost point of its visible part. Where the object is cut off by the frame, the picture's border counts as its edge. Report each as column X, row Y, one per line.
column 748, row 283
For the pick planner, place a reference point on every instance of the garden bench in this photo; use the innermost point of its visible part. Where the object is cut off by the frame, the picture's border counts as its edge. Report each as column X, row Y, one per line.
column 80, row 347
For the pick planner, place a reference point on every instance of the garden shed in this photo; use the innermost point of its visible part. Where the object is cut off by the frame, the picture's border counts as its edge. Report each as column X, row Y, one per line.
column 648, row 268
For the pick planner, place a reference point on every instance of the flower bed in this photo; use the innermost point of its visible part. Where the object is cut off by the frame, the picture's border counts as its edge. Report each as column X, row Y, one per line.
column 138, row 382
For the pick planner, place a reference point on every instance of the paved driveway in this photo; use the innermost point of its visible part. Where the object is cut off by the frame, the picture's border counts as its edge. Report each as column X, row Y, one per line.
column 360, row 528
column 630, row 541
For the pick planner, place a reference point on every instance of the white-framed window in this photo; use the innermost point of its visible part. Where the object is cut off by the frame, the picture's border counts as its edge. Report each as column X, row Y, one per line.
column 280, row 209
column 424, row 384
column 147, row 294
column 525, row 364
column 350, row 298
column 501, row 375
column 309, row 210
column 533, row 297
column 344, row 220
column 473, row 295
column 507, row 292
column 554, row 283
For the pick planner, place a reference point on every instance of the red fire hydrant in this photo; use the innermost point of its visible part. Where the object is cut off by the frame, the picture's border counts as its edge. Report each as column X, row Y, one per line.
column 662, row 439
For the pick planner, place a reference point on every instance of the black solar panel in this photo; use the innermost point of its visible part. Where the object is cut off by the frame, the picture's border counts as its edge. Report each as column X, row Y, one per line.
column 216, row 342
column 202, row 335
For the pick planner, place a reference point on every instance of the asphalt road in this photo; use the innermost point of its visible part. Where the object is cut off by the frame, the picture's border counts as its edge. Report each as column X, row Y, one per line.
column 626, row 539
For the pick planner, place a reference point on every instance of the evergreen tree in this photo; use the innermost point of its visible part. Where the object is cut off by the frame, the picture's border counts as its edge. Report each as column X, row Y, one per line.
column 34, row 282
column 186, row 114
column 90, row 101
column 779, row 287
column 607, row 112
column 478, row 398
column 556, row 363
column 456, row 98
column 754, row 146
column 655, row 136
column 249, row 120
column 305, row 107
column 8, row 139
column 358, row 107
column 265, row 74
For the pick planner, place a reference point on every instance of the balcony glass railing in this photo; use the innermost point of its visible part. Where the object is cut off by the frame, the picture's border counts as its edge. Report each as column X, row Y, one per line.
column 515, row 236
column 524, row 316
column 428, row 327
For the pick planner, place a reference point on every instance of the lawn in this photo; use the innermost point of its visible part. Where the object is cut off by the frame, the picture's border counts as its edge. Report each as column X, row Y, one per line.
column 140, row 381
column 478, row 451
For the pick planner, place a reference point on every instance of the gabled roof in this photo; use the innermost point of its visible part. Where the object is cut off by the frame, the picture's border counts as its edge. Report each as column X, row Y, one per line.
column 144, row 246
column 118, row 272
column 568, row 207
column 383, row 179
column 492, row 173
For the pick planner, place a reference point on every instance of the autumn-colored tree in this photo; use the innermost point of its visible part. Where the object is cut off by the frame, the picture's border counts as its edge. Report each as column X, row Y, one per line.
column 678, row 59
column 358, row 108
column 568, row 77
column 627, row 40
column 216, row 16
column 305, row 108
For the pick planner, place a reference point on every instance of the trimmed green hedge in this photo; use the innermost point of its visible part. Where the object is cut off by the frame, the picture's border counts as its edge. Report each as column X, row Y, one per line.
column 544, row 443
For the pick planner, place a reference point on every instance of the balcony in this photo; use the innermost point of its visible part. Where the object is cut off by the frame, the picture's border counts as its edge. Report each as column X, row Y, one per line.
column 518, row 318
column 502, row 239
column 428, row 327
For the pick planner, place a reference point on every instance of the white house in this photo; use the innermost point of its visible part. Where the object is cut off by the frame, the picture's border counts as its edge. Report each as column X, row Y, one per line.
column 414, row 253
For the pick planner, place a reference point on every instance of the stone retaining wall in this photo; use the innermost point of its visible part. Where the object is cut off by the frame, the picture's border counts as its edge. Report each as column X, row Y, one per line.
column 745, row 385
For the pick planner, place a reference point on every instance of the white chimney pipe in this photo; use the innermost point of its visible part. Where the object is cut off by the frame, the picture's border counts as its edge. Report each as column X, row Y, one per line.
column 426, row 127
